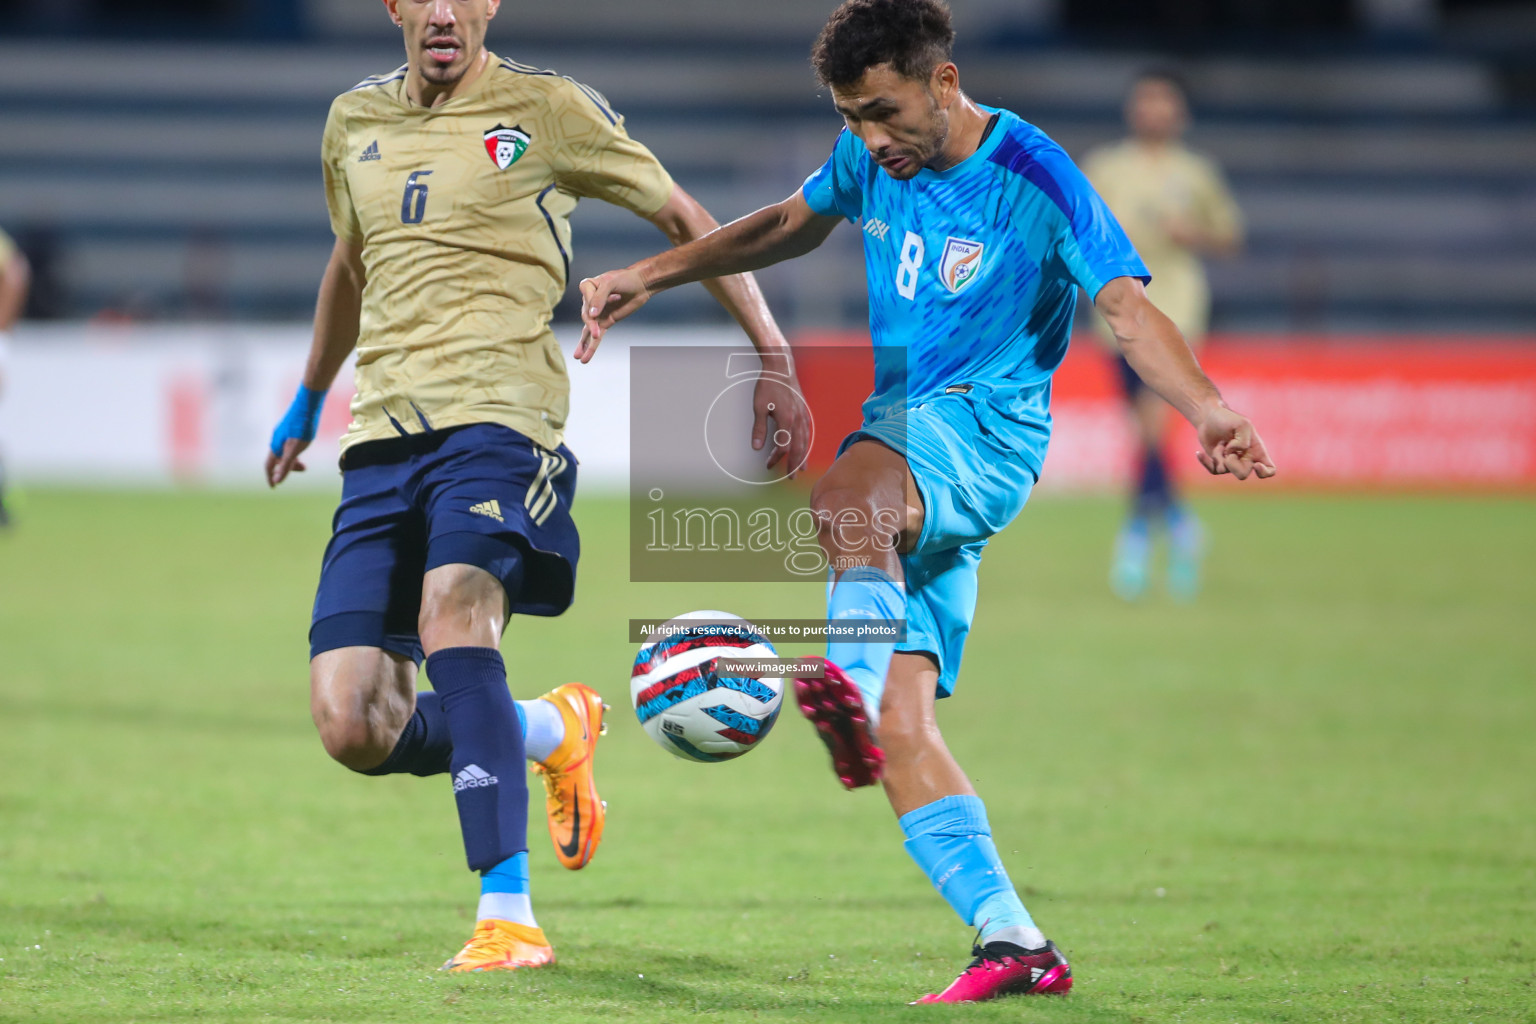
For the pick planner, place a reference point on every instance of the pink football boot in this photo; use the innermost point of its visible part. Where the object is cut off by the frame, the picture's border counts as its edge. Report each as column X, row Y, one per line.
column 1003, row 969
column 836, row 708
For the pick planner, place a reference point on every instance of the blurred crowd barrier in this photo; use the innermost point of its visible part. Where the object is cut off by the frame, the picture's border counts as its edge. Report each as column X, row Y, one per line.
column 142, row 406
column 1425, row 412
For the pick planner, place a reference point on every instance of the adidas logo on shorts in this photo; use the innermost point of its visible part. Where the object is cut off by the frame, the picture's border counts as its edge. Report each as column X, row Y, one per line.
column 490, row 508
column 472, row 776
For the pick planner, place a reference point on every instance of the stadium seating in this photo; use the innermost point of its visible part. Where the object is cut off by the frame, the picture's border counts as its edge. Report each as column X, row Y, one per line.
column 1391, row 191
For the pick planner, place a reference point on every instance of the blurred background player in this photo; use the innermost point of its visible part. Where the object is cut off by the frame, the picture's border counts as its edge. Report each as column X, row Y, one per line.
column 15, row 276
column 450, row 182
column 978, row 230
column 1175, row 207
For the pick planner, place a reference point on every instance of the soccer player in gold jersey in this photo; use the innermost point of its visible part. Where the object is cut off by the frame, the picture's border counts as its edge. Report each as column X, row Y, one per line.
column 15, row 277
column 1175, row 206
column 450, row 183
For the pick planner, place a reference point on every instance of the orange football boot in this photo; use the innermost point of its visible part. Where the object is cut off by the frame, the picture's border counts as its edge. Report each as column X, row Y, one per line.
column 503, row 946
column 576, row 814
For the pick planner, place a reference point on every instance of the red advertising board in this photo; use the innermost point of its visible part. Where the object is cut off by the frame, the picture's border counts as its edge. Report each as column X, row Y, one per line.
column 1337, row 413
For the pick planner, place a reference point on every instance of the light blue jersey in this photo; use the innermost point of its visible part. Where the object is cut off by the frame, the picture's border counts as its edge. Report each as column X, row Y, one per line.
column 972, row 275
column 973, row 270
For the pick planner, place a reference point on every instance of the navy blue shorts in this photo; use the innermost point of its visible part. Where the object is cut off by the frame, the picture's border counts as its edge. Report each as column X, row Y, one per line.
column 481, row 495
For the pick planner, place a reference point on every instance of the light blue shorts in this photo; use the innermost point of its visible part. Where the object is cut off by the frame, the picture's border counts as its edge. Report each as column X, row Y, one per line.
column 974, row 470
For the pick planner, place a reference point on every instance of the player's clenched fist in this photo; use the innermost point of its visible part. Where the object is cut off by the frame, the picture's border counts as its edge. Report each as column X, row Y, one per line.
column 1229, row 444
column 605, row 300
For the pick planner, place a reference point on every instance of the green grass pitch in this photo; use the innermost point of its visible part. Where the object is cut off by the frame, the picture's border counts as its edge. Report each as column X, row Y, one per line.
column 1309, row 797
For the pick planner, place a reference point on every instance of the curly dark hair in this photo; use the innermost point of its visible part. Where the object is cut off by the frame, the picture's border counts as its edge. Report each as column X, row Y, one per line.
column 913, row 36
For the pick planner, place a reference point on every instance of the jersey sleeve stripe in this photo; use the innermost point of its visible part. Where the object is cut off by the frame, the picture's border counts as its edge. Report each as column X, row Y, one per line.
column 392, row 76
column 586, row 90
column 597, row 98
column 1011, row 155
column 524, row 69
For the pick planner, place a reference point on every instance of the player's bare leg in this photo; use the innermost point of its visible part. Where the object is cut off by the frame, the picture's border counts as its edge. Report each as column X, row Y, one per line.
column 364, row 699
column 950, row 838
column 868, row 510
column 361, row 699
column 919, row 768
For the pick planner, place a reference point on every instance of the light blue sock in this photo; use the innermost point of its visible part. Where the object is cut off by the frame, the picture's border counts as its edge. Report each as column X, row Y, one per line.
column 504, row 892
column 860, row 594
column 952, row 842
column 543, row 728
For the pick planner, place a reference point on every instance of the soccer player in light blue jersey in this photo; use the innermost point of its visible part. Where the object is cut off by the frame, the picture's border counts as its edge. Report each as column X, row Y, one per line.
column 978, row 229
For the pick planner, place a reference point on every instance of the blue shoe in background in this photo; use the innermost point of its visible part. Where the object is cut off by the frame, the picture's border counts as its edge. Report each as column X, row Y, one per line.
column 1130, row 571
column 1186, row 552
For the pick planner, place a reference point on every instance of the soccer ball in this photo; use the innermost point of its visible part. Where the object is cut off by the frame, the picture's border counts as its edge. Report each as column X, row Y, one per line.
column 687, row 706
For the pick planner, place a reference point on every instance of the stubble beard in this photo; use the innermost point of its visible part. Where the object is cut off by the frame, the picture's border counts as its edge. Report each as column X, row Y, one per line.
column 937, row 137
column 450, row 75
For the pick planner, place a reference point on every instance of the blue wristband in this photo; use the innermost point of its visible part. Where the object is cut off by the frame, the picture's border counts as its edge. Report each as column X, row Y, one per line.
column 301, row 421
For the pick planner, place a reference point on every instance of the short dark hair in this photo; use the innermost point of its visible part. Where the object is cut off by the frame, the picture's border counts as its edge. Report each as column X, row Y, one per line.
column 912, row 36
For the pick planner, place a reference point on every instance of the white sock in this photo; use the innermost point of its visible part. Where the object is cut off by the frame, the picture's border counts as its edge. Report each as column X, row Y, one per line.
column 543, row 728
column 1029, row 938
column 507, row 906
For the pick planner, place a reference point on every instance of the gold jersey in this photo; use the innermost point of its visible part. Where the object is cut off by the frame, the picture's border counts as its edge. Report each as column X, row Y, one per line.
column 1146, row 190
column 463, row 214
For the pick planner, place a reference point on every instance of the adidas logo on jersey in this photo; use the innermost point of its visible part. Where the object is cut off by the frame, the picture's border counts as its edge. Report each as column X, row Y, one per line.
column 371, row 153
column 472, row 776
column 490, row 508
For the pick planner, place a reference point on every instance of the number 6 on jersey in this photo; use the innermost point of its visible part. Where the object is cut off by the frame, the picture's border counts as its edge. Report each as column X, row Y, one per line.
column 413, row 205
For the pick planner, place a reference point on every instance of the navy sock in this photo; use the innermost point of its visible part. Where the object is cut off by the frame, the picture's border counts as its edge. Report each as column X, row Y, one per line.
column 1154, row 491
column 489, row 777
column 424, row 747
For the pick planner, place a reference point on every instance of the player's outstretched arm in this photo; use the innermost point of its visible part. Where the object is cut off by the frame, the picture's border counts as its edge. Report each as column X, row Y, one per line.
column 771, row 235
column 337, row 312
column 1159, row 355
column 682, row 219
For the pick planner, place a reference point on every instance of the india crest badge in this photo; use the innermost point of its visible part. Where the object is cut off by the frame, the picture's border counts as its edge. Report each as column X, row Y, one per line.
column 961, row 262
column 505, row 145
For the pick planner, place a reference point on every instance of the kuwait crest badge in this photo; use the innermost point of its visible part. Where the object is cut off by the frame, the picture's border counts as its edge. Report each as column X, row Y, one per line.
column 961, row 263
column 506, row 145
